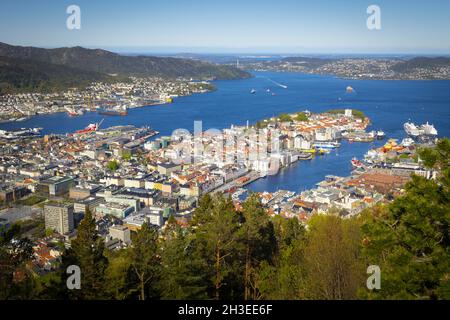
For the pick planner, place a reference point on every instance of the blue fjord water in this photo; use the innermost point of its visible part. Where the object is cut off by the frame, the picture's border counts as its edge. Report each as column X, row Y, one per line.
column 388, row 104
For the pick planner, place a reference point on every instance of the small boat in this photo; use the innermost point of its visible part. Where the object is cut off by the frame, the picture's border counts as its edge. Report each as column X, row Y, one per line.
column 308, row 150
column 380, row 134
column 323, row 151
column 253, row 91
column 356, row 163
column 349, row 89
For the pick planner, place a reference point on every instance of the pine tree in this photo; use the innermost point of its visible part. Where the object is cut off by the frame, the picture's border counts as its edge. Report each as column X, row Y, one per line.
column 15, row 252
column 258, row 242
column 145, row 261
column 87, row 252
column 215, row 240
column 284, row 278
column 183, row 276
column 409, row 239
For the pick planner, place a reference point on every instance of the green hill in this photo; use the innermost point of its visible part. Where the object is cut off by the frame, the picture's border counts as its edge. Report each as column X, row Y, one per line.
column 107, row 62
column 18, row 75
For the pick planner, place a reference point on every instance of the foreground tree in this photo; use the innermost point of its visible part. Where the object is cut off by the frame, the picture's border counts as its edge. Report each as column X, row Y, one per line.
column 87, row 252
column 119, row 276
column 322, row 263
column 332, row 258
column 409, row 238
column 215, row 231
column 285, row 278
column 145, row 261
column 15, row 252
column 258, row 242
column 183, row 278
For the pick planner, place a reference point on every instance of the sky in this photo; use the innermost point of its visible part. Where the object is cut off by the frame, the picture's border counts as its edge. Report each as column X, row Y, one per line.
column 231, row 26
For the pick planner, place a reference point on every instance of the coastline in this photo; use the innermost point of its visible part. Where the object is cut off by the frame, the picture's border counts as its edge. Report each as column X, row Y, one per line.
column 156, row 103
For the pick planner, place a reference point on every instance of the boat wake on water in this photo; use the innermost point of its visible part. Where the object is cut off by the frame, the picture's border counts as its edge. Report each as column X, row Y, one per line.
column 277, row 83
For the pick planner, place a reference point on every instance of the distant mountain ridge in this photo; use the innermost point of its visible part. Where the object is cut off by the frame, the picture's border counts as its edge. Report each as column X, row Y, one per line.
column 103, row 61
column 99, row 64
column 21, row 75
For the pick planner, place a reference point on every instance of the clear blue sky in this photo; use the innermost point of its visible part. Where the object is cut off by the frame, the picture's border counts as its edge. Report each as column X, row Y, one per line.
column 284, row 26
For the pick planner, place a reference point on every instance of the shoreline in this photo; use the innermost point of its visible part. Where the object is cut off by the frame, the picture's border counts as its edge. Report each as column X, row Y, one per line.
column 156, row 103
column 337, row 76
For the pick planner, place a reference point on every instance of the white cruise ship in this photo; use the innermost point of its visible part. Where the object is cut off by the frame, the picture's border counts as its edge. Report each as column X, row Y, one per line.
column 429, row 129
column 411, row 129
column 424, row 130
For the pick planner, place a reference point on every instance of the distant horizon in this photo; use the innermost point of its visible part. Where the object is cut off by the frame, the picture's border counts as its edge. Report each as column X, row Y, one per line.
column 220, row 51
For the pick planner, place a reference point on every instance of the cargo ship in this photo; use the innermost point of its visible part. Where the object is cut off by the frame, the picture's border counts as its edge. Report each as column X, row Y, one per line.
column 114, row 111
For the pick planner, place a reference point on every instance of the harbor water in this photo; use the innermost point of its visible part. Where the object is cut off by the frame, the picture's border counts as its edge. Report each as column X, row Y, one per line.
column 388, row 104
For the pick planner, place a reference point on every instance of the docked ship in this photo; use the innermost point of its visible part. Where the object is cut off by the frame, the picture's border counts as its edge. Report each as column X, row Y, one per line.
column 73, row 113
column 417, row 131
column 429, row 129
column 380, row 134
column 20, row 133
column 326, row 145
column 322, row 151
column 411, row 129
column 356, row 163
column 407, row 142
column 92, row 127
column 114, row 111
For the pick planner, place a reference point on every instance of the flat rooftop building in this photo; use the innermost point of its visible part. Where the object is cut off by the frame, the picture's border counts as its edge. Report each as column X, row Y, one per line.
column 55, row 186
column 59, row 217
